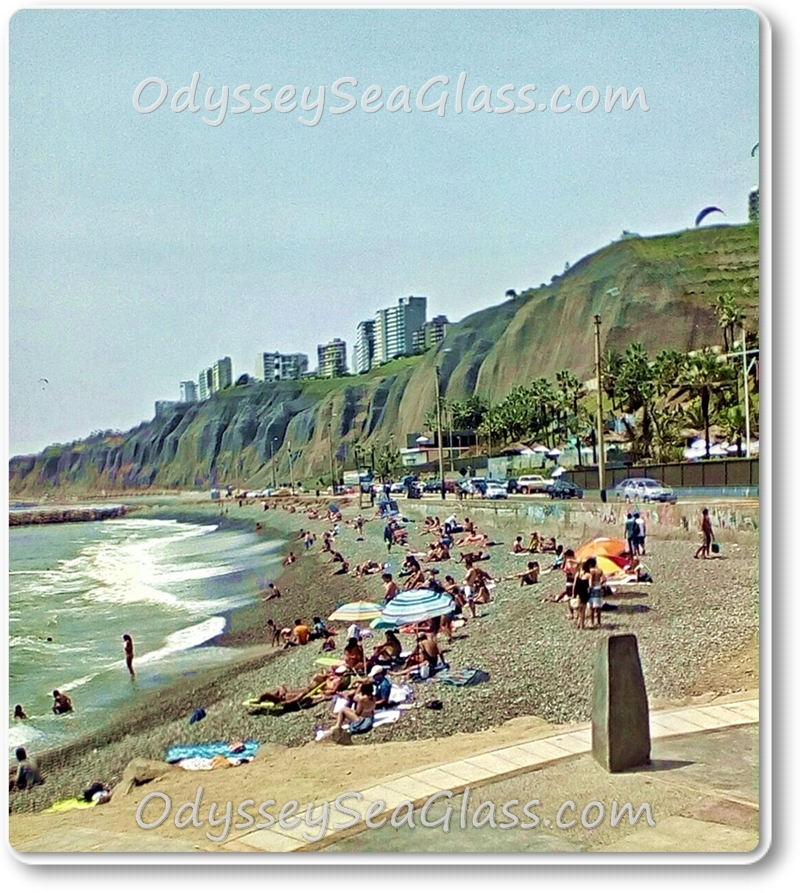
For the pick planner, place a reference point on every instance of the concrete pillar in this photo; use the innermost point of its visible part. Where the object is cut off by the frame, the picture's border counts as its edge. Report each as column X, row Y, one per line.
column 620, row 715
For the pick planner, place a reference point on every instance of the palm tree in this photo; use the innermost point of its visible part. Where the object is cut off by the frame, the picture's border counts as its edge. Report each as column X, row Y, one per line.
column 612, row 366
column 705, row 375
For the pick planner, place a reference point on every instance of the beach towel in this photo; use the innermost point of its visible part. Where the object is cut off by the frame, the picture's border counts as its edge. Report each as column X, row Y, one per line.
column 401, row 694
column 384, row 717
column 69, row 804
column 467, row 676
column 209, row 750
column 197, row 716
column 195, row 764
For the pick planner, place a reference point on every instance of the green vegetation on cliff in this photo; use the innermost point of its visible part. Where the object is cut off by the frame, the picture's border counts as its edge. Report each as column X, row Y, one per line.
column 659, row 292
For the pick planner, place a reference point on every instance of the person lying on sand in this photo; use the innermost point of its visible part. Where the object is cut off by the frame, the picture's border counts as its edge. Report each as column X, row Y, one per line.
column 290, row 559
column 473, row 539
column 367, row 569
column 474, row 557
column 343, row 568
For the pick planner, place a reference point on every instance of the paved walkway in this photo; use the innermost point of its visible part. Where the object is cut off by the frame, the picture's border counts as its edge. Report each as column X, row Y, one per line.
column 721, row 816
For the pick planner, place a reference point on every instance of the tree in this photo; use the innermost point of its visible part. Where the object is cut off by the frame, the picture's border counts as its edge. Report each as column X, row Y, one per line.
column 706, row 376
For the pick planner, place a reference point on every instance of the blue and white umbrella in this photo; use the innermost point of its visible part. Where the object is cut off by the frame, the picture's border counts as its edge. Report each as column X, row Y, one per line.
column 412, row 606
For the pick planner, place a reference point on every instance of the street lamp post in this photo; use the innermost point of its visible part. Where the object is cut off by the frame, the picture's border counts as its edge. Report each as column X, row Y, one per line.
column 330, row 453
column 439, row 432
column 746, row 394
column 272, row 462
column 291, row 468
column 601, row 450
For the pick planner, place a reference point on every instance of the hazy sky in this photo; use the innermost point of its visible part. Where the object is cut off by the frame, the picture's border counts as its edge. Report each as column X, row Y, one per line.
column 145, row 246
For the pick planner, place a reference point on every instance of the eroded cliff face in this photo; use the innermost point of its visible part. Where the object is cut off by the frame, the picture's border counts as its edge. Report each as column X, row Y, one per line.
column 659, row 291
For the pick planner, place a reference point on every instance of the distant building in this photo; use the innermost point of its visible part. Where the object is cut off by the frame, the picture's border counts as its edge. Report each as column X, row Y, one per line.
column 431, row 334
column 752, row 205
column 364, row 353
column 204, row 381
column 165, row 407
column 221, row 375
column 188, row 392
column 281, row 366
column 395, row 328
column 332, row 359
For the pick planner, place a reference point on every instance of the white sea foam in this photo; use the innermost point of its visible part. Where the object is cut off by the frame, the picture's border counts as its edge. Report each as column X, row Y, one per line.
column 184, row 639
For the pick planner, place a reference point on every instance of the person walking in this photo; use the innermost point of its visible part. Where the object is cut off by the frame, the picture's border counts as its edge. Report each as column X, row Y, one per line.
column 704, row 550
column 630, row 534
column 128, row 653
column 641, row 533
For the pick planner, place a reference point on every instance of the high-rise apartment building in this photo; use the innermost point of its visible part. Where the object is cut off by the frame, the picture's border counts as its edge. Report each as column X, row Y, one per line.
column 364, row 355
column 395, row 328
column 281, row 366
column 204, row 381
column 221, row 375
column 431, row 334
column 332, row 358
column 188, row 392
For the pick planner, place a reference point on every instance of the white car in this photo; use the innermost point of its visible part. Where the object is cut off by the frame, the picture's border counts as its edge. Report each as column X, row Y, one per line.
column 496, row 490
column 533, row 483
column 644, row 490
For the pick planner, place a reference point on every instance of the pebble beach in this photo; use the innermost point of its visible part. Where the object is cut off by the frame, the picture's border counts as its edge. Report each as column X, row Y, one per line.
column 696, row 625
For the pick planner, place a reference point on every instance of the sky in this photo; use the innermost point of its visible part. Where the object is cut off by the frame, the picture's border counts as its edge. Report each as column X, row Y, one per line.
column 144, row 246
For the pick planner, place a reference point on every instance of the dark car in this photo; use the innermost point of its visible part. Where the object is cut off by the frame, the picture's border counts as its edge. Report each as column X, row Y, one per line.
column 561, row 489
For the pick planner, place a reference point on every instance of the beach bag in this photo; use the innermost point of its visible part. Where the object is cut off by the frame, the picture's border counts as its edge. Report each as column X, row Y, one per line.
column 715, row 548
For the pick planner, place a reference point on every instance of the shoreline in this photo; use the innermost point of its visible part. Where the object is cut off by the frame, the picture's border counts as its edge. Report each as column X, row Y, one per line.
column 556, row 692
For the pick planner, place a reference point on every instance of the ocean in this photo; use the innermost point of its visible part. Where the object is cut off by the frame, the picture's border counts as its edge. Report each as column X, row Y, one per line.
column 74, row 589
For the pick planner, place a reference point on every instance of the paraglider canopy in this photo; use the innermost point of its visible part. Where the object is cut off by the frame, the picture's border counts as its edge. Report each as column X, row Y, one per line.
column 753, row 150
column 711, row 209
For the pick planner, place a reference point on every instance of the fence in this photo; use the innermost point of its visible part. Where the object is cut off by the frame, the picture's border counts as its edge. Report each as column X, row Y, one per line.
column 717, row 473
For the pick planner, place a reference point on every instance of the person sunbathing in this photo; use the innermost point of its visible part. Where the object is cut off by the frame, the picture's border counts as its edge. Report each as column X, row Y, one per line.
column 548, row 546
column 518, row 548
column 367, row 569
column 527, row 577
column 342, row 569
column 438, row 552
column 474, row 557
column 425, row 651
column 535, row 542
column 387, row 652
column 361, row 710
column 354, row 655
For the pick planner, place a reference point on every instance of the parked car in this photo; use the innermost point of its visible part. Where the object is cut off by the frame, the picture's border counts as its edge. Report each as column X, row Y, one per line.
column 474, row 486
column 561, row 489
column 644, row 490
column 532, row 483
column 496, row 490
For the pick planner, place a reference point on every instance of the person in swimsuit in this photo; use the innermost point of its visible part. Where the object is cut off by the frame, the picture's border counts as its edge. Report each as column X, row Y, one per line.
column 597, row 580
column 581, row 590
column 362, row 710
column 570, row 568
column 704, row 551
column 128, row 653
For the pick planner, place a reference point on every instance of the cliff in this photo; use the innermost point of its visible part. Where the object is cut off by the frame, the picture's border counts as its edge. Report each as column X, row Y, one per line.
column 657, row 290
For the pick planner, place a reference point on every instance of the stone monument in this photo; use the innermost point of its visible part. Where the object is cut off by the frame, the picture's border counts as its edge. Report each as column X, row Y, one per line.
column 620, row 714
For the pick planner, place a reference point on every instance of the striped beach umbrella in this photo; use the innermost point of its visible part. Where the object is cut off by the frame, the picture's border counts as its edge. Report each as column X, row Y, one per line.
column 412, row 606
column 356, row 611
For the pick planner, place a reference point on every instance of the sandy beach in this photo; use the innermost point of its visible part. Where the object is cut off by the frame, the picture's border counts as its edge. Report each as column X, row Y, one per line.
column 697, row 628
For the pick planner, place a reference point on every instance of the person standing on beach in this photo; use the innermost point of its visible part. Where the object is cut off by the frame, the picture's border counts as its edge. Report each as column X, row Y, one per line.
column 128, row 653
column 704, row 550
column 641, row 532
column 388, row 536
column 630, row 534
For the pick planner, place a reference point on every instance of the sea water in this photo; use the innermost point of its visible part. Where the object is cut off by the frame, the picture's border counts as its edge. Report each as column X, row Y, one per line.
column 74, row 589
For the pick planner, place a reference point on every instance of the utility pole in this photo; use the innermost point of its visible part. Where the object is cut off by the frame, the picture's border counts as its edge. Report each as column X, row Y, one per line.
column 746, row 394
column 291, row 468
column 330, row 452
column 601, row 448
column 450, row 418
column 357, row 450
column 439, row 433
column 272, row 462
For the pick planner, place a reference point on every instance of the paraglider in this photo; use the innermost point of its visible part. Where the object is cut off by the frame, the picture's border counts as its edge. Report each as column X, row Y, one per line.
column 43, row 382
column 753, row 151
column 705, row 212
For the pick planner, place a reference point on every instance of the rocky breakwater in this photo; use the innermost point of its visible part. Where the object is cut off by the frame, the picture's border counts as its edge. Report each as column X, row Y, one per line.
column 65, row 515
